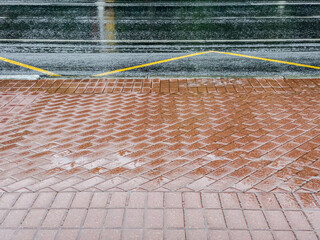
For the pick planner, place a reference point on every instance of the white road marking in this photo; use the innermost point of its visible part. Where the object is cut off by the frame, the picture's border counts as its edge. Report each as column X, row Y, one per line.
column 161, row 41
column 155, row 4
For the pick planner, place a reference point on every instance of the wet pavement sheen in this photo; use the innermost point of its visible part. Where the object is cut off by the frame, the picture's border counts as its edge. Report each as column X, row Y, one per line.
column 89, row 37
column 160, row 159
column 154, row 20
column 206, row 134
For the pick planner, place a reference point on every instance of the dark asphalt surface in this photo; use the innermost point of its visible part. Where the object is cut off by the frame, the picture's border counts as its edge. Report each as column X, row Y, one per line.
column 90, row 37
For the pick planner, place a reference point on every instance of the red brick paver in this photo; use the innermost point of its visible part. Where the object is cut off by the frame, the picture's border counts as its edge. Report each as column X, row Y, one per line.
column 160, row 159
column 166, row 218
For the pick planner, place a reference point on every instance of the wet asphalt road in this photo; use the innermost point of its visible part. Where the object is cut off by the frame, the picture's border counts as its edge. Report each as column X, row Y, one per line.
column 89, row 37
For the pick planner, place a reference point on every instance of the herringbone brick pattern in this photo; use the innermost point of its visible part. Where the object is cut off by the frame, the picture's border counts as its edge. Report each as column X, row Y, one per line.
column 242, row 135
column 11, row 104
column 160, row 159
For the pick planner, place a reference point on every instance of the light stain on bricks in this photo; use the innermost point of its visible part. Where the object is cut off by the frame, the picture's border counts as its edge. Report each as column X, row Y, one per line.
column 97, row 170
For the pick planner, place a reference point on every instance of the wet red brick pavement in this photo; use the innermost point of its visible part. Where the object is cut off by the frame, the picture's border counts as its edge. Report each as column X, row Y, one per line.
column 160, row 159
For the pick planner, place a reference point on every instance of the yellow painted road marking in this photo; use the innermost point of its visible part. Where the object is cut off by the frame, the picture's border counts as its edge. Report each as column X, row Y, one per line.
column 267, row 59
column 152, row 63
column 200, row 53
column 29, row 67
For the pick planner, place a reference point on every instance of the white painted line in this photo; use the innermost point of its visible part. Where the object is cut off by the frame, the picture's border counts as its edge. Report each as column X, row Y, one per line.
column 19, row 77
column 160, row 41
column 279, row 3
column 185, row 19
column 156, row 4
